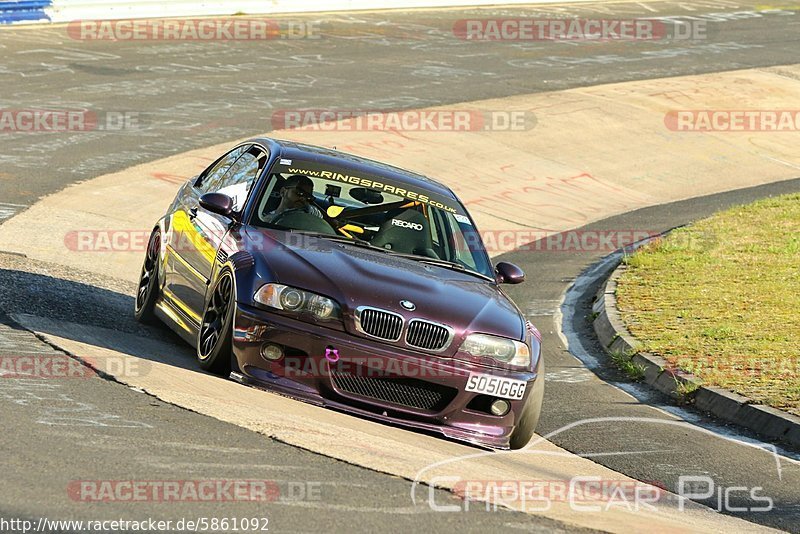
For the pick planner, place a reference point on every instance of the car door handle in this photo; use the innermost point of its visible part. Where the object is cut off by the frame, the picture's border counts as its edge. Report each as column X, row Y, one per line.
column 192, row 213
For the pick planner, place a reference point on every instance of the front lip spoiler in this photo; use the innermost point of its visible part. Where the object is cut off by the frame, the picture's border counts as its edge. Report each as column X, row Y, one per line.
column 480, row 440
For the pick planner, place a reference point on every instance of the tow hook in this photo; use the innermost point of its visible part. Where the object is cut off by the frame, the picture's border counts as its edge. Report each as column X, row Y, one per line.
column 331, row 354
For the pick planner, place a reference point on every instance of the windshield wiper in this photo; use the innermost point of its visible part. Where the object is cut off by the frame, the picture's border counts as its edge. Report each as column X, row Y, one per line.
column 441, row 263
column 432, row 261
column 339, row 238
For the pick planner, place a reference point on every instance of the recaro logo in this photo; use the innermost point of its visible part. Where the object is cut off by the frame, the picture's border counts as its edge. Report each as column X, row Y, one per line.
column 406, row 224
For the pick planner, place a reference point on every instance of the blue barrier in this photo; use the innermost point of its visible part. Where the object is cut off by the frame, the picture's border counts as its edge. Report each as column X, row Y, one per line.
column 24, row 11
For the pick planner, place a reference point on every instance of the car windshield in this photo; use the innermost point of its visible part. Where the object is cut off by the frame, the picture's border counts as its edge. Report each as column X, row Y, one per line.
column 397, row 218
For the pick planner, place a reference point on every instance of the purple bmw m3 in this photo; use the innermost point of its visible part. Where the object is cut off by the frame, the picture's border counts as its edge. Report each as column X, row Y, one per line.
column 349, row 284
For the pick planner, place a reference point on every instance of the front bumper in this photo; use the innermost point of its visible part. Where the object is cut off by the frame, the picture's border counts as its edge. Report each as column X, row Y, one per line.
column 392, row 384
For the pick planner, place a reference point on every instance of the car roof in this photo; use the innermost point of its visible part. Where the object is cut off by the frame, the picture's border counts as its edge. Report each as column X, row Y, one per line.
column 322, row 155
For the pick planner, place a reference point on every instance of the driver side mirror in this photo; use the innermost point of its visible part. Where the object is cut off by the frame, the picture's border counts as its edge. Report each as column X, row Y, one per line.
column 508, row 273
column 217, row 203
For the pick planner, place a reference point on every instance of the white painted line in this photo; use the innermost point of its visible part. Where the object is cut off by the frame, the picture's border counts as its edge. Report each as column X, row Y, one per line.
column 538, row 308
column 571, row 375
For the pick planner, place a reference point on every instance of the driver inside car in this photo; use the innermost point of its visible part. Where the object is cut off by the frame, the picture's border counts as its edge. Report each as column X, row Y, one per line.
column 296, row 195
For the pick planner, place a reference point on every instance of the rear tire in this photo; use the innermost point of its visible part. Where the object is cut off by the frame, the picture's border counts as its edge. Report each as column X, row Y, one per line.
column 147, row 293
column 214, row 340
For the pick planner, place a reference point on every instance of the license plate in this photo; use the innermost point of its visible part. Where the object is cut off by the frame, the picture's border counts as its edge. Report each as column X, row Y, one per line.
column 506, row 388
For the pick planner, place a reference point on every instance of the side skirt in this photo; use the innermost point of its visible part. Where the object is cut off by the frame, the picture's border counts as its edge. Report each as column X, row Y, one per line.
column 177, row 321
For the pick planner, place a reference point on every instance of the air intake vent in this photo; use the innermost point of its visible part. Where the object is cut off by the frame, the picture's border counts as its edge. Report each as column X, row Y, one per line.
column 378, row 323
column 409, row 392
column 222, row 256
column 428, row 336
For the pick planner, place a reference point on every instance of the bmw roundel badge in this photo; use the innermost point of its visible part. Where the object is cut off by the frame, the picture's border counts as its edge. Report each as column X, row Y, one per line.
column 408, row 305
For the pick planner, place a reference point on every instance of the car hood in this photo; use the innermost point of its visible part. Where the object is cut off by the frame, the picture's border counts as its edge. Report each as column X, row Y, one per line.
column 357, row 276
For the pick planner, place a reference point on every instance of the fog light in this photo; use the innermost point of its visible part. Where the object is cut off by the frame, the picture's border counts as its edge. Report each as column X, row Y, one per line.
column 271, row 352
column 500, row 407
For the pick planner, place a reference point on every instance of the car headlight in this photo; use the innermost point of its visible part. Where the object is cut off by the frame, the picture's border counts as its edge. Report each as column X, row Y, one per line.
column 501, row 349
column 297, row 300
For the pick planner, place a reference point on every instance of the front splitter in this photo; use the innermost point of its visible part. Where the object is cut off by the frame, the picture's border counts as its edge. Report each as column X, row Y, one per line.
column 482, row 441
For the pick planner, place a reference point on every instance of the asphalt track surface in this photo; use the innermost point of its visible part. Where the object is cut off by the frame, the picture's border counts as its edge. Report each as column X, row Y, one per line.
column 188, row 95
column 192, row 94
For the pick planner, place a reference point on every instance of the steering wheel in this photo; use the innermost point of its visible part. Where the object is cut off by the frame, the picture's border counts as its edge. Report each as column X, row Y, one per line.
column 300, row 220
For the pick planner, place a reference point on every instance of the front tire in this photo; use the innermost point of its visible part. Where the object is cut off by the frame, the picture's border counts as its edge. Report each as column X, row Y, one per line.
column 148, row 291
column 529, row 419
column 524, row 430
column 214, row 339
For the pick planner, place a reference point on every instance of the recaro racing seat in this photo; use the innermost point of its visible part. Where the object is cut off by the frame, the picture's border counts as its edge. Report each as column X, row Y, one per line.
column 408, row 233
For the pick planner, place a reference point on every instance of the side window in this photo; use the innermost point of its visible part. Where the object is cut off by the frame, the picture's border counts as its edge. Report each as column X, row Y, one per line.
column 211, row 179
column 463, row 239
column 270, row 198
column 240, row 177
column 437, row 234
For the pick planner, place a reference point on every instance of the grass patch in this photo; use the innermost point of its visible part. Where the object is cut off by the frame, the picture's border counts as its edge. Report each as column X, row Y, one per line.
column 623, row 362
column 721, row 299
column 685, row 391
